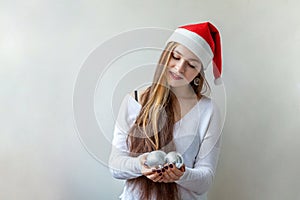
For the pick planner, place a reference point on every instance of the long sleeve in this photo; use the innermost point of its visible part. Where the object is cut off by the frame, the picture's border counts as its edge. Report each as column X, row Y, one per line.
column 199, row 178
column 123, row 166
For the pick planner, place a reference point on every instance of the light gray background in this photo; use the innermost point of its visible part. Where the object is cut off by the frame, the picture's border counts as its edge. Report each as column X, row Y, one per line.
column 44, row 43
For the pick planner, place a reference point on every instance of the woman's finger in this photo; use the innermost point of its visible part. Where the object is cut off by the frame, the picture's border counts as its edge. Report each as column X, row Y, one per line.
column 155, row 177
column 177, row 172
column 172, row 173
column 161, row 179
column 182, row 168
column 147, row 171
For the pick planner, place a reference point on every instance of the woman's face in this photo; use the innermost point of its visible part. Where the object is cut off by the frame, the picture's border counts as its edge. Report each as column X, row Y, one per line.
column 183, row 67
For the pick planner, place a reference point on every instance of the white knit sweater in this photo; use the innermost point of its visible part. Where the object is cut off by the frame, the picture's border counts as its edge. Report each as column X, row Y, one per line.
column 197, row 138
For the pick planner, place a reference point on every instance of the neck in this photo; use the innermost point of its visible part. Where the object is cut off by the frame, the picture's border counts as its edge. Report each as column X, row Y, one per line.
column 183, row 91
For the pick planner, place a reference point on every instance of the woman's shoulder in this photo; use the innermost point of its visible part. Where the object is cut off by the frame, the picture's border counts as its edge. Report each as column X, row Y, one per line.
column 206, row 104
column 206, row 100
column 211, row 106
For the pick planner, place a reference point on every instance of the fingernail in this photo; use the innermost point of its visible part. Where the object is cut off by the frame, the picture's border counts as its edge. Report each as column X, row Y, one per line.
column 158, row 171
column 166, row 167
column 163, row 170
column 160, row 174
column 171, row 165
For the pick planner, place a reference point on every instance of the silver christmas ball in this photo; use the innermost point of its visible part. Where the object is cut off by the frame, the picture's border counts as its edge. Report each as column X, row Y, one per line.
column 175, row 158
column 156, row 159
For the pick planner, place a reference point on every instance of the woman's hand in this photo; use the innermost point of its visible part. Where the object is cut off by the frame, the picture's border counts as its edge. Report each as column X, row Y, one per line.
column 172, row 173
column 156, row 175
column 169, row 173
column 151, row 173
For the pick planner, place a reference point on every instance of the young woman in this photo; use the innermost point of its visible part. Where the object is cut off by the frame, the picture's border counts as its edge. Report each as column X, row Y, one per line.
column 172, row 115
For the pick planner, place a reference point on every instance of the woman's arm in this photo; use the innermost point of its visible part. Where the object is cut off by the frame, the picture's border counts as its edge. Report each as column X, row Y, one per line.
column 123, row 166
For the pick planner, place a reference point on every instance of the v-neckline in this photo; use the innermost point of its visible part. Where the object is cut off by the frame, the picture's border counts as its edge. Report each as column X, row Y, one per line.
column 182, row 118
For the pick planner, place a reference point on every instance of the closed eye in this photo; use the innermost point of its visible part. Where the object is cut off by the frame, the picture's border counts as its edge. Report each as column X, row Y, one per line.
column 192, row 66
column 173, row 56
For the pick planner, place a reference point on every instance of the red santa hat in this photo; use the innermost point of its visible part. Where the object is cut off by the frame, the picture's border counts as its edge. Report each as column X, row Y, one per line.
column 204, row 40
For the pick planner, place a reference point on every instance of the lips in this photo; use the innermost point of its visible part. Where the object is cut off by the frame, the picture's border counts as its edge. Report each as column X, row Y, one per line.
column 174, row 76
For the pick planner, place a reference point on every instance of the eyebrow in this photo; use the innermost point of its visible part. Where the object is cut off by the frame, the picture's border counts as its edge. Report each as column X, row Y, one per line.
column 191, row 59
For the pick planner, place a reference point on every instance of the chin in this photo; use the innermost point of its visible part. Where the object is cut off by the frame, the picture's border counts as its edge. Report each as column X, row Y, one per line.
column 176, row 84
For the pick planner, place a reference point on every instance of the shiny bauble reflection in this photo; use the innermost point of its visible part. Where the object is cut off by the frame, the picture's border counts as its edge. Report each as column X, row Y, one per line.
column 156, row 159
column 174, row 158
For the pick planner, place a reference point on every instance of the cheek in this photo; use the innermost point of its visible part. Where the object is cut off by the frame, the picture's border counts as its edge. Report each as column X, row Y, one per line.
column 171, row 63
column 191, row 75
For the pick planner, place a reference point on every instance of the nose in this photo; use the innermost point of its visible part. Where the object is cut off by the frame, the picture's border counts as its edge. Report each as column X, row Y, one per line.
column 180, row 66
